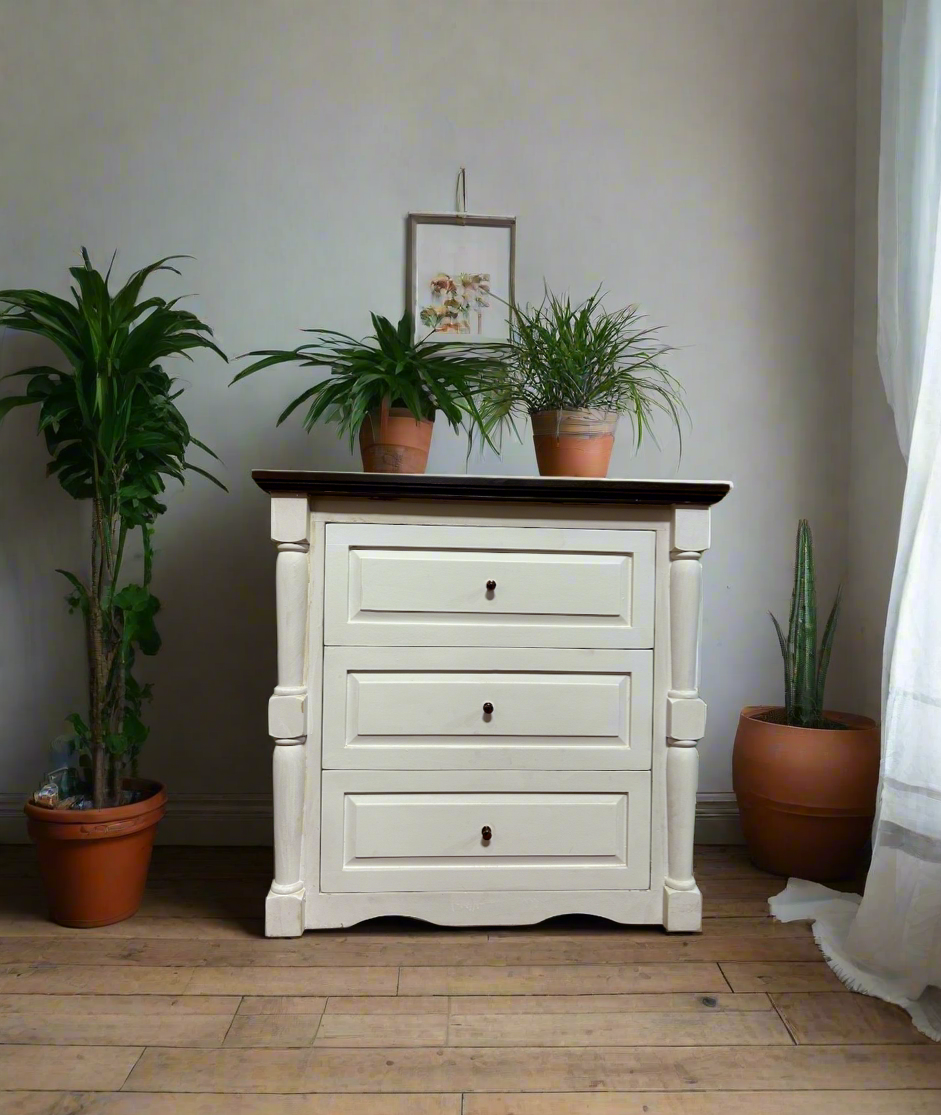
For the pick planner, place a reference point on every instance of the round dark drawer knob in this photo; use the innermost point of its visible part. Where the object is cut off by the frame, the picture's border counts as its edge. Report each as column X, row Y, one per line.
column 488, row 708
column 485, row 832
column 491, row 585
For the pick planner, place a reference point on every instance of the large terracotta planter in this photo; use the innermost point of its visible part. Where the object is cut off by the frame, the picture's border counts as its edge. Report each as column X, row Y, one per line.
column 806, row 796
column 94, row 862
column 392, row 440
column 573, row 442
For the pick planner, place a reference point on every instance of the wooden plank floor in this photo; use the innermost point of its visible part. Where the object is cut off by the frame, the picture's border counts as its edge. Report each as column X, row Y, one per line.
column 187, row 1009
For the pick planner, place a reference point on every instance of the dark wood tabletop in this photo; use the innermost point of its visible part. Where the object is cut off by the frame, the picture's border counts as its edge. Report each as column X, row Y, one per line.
column 511, row 489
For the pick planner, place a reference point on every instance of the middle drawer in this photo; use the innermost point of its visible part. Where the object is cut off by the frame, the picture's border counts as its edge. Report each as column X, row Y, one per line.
column 420, row 708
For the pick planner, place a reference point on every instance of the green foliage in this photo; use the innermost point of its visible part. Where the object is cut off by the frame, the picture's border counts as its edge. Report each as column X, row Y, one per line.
column 391, row 367
column 805, row 667
column 114, row 435
column 562, row 356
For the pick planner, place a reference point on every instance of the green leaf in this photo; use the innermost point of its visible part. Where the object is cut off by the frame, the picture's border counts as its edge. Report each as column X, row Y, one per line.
column 78, row 598
column 826, row 646
column 138, row 607
column 205, row 448
column 806, row 673
column 270, row 359
column 134, row 730
column 81, row 728
column 10, row 402
column 788, row 684
column 202, row 472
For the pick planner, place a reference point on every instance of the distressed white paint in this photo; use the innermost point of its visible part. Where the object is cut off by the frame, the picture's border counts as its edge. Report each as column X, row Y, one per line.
column 686, row 720
column 685, row 623
column 290, row 530
column 424, row 830
column 291, row 578
column 587, row 780
column 682, row 910
column 428, row 585
column 399, row 707
column 691, row 528
column 288, row 767
column 290, row 520
column 287, row 714
column 489, row 907
column 686, row 717
column 682, row 780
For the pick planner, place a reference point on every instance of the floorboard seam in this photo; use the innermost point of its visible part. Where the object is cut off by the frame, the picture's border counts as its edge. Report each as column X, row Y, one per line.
column 232, row 1020
column 785, row 1021
column 132, row 1068
column 728, row 982
column 323, row 1012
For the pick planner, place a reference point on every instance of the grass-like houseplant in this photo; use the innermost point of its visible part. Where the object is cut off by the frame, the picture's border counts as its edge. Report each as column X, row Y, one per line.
column 114, row 436
column 387, row 389
column 574, row 369
column 805, row 777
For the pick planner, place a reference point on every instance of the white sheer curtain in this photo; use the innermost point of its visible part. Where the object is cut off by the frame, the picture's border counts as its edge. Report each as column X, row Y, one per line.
column 889, row 943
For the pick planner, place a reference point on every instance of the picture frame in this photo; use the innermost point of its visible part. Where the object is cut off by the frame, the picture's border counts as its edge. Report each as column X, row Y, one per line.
column 460, row 276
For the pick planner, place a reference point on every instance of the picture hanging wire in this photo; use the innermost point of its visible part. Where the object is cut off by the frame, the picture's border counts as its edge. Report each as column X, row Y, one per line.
column 460, row 193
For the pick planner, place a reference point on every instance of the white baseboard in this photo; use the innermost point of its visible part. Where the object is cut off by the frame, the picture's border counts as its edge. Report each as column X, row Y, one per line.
column 233, row 819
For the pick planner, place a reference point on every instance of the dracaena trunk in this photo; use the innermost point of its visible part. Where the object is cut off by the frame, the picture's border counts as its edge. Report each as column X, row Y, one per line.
column 97, row 660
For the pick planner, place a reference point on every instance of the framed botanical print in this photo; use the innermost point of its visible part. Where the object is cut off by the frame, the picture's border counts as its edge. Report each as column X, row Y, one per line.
column 460, row 276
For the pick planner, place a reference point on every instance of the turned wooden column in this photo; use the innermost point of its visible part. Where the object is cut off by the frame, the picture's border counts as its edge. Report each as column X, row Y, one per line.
column 287, row 712
column 686, row 714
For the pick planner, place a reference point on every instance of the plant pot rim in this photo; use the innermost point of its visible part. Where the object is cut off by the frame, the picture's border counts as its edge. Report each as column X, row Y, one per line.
column 400, row 413
column 853, row 721
column 155, row 803
column 600, row 412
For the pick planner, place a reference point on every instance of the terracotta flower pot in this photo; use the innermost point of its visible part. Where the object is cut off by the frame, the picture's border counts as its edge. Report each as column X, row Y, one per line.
column 573, row 442
column 807, row 796
column 392, row 440
column 94, row 862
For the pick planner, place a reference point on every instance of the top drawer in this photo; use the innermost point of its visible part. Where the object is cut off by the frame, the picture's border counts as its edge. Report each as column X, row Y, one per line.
column 488, row 586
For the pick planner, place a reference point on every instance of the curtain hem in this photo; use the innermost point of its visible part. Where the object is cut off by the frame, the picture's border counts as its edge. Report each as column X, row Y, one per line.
column 832, row 913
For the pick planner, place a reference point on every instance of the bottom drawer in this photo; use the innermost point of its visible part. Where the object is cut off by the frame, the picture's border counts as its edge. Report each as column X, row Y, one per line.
column 485, row 830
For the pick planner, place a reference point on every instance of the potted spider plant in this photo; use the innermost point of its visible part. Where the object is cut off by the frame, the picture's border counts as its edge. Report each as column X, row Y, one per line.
column 388, row 389
column 114, row 434
column 575, row 370
column 806, row 777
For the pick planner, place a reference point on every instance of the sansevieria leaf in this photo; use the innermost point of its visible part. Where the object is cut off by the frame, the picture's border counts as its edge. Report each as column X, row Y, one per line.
column 806, row 665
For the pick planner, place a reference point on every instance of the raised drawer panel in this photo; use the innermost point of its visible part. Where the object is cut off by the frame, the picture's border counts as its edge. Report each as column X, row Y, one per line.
column 485, row 830
column 414, row 707
column 428, row 586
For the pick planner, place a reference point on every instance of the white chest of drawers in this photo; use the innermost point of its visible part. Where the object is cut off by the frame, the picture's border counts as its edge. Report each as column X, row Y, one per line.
column 487, row 706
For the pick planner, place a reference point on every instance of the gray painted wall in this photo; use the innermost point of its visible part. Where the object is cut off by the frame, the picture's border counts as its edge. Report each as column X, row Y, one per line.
column 699, row 158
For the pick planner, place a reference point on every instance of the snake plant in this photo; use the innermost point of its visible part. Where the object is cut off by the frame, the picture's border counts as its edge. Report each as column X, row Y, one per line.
column 113, row 433
column 805, row 665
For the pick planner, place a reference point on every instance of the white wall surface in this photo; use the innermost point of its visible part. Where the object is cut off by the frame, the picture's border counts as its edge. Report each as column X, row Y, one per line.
column 697, row 156
column 877, row 470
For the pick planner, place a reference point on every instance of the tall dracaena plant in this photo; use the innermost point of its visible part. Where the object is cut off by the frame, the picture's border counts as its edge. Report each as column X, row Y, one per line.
column 114, row 434
column 805, row 666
